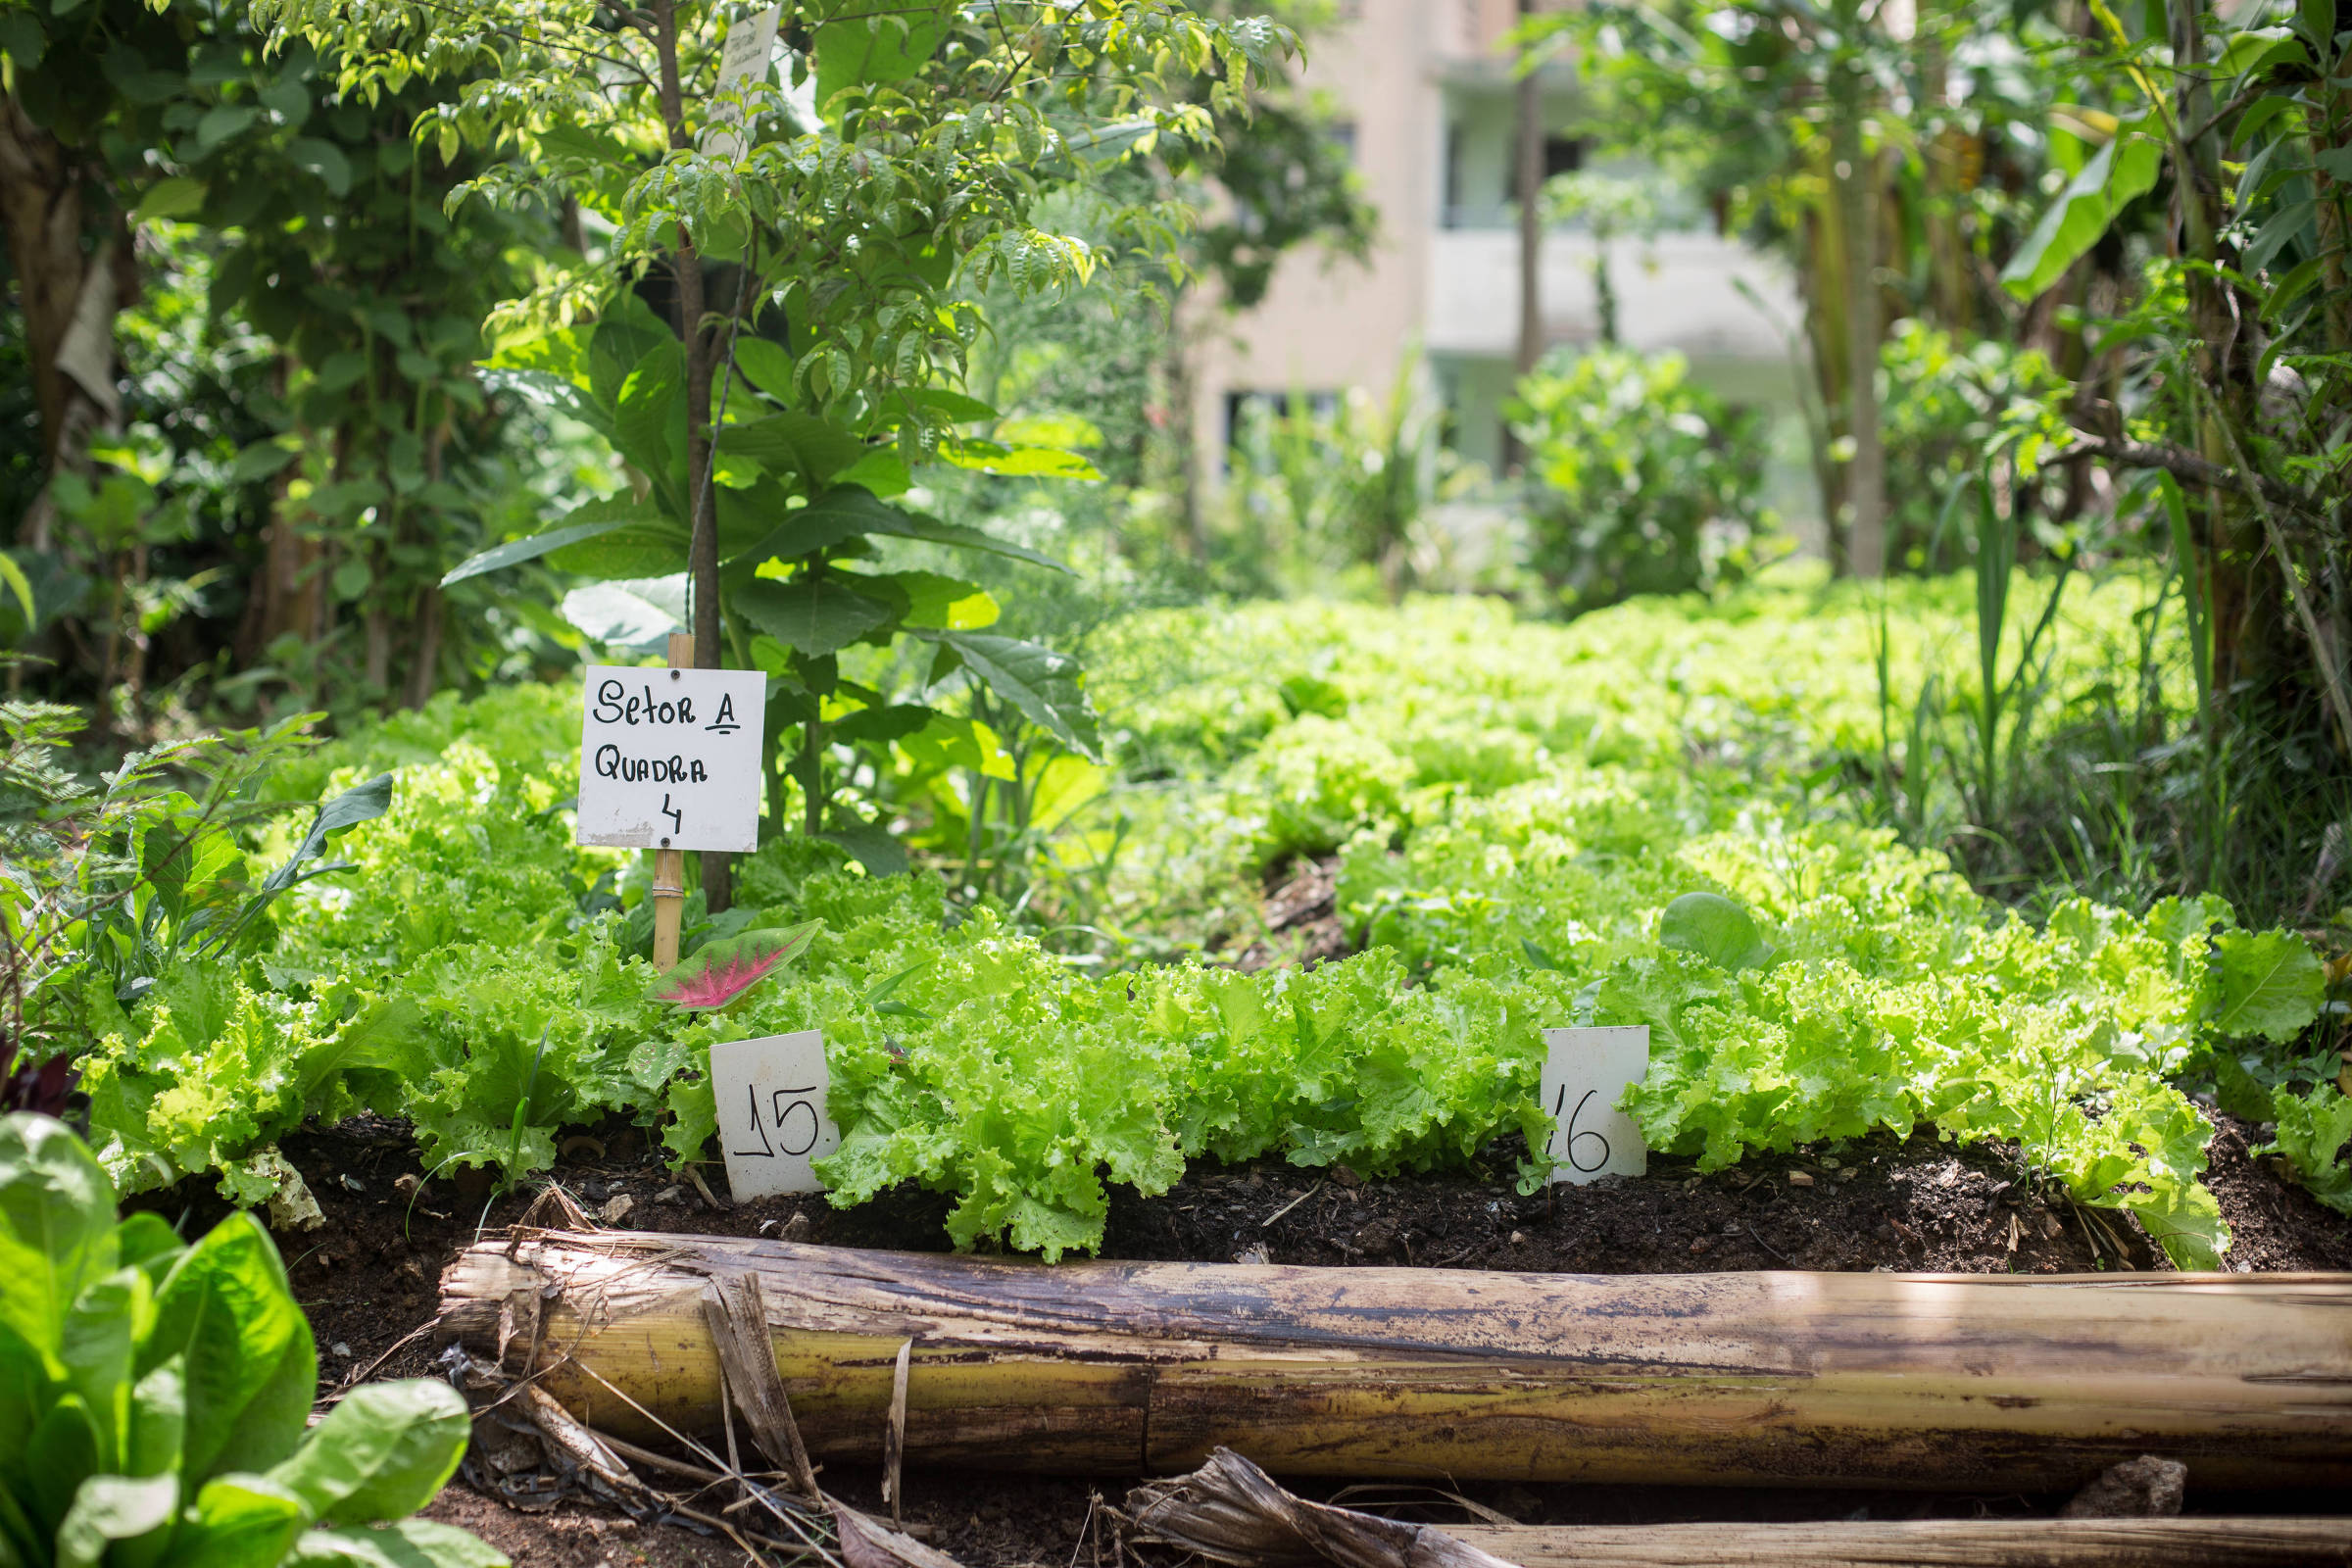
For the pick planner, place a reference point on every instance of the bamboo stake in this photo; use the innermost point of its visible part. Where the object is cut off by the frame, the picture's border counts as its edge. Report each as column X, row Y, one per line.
column 1988, row 1382
column 669, row 866
column 1230, row 1511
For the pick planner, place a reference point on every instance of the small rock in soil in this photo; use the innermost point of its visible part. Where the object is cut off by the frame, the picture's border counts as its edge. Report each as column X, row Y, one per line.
column 617, row 1209
column 2145, row 1487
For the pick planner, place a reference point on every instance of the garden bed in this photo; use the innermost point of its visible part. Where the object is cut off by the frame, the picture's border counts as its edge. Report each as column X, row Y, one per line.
column 367, row 1278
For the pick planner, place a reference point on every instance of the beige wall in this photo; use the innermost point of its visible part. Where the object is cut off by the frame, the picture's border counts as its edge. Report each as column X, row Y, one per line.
column 1400, row 69
column 1327, row 324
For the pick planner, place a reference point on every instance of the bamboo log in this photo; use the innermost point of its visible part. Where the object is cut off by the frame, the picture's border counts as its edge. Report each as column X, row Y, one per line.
column 2194, row 1542
column 1882, row 1380
column 1230, row 1511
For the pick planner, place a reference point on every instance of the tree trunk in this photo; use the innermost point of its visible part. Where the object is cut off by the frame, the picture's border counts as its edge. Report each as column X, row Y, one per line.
column 701, row 550
column 1945, row 175
column 1823, row 282
column 68, row 293
column 1855, row 178
column 1530, row 163
column 1980, row 1382
column 2243, row 596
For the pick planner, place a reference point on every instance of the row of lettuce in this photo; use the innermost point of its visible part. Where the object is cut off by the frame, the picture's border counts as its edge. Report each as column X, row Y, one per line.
column 1516, row 807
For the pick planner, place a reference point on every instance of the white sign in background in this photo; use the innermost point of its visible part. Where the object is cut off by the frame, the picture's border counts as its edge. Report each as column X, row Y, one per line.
column 742, row 59
column 1585, row 1072
column 670, row 758
column 772, row 1122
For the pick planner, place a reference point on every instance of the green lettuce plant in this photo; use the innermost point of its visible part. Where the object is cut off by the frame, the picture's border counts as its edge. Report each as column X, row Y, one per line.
column 154, row 1396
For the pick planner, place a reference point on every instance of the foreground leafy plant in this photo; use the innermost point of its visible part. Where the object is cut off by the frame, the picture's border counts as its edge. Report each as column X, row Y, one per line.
column 154, row 1396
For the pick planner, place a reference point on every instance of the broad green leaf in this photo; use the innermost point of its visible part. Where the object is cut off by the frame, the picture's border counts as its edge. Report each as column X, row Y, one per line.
column 956, row 408
column 2190, row 1228
column 929, row 600
column 1049, row 430
column 98, row 1344
column 66, row 1446
column 870, row 844
column 177, row 196
column 839, row 515
column 1039, row 681
column 261, row 460
column 248, row 1362
column 12, row 575
column 2271, row 985
column 1019, row 463
column 1716, row 929
column 324, row 159
column 917, row 525
column 638, row 614
column 649, row 423
column 881, row 469
column 382, row 1453
column 886, row 723
column 767, row 366
column 866, row 49
column 410, row 1543
column 57, row 1226
column 362, row 802
column 630, row 552
column 815, row 616
column 793, row 446
column 238, row 1521
column 111, row 1508
column 222, row 121
column 1064, row 786
column 2121, row 172
column 159, row 1421
column 589, row 520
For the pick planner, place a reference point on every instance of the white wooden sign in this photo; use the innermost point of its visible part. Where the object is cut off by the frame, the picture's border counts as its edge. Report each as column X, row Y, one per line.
column 1585, row 1072
column 670, row 758
column 772, row 1122
column 742, row 60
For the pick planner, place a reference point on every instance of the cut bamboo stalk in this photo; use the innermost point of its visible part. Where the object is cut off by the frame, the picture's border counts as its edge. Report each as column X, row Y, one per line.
column 2191, row 1543
column 1880, row 1380
column 1230, row 1511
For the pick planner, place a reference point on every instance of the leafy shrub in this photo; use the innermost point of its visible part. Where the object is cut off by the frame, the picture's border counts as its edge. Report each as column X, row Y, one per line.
column 154, row 1396
column 1648, row 483
column 1947, row 401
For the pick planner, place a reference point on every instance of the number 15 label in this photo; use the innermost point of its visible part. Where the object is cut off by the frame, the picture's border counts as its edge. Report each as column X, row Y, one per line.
column 772, row 1123
column 1585, row 1072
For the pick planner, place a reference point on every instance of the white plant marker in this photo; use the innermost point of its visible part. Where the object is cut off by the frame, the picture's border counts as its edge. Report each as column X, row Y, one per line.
column 670, row 758
column 742, row 59
column 772, row 1122
column 1585, row 1073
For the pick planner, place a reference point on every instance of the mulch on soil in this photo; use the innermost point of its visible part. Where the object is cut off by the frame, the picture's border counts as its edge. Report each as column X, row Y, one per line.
column 368, row 1280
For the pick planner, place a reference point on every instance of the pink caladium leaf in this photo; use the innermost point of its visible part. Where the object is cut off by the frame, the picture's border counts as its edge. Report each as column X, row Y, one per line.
column 720, row 971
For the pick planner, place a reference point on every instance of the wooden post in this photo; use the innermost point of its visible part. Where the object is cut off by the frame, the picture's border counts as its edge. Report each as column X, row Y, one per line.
column 669, row 866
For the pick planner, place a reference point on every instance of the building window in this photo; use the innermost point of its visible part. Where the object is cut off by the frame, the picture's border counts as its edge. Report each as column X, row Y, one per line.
column 1452, row 208
column 1563, row 155
column 1341, row 135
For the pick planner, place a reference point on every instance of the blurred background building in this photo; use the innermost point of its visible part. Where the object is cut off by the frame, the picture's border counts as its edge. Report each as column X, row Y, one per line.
column 1427, row 101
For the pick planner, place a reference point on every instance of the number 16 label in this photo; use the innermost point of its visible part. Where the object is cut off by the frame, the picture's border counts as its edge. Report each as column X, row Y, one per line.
column 1585, row 1072
column 772, row 1123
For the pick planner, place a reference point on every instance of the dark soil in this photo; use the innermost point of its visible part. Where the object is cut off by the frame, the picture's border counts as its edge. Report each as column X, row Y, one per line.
column 368, row 1280
column 1301, row 912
